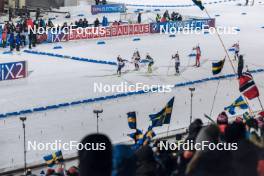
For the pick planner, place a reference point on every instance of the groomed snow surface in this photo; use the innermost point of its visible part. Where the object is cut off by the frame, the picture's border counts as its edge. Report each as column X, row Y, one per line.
column 53, row 81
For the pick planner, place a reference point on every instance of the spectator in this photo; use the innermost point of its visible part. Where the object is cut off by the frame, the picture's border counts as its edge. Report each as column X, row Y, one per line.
column 222, row 122
column 139, row 18
column 50, row 24
column 146, row 165
column 245, row 158
column 105, row 21
column 209, row 162
column 124, row 161
column 4, row 38
column 12, row 41
column 96, row 162
column 166, row 15
column 163, row 20
column 85, row 23
column 18, row 42
column 72, row 171
column 96, row 23
column 30, row 23
column 158, row 18
column 80, row 23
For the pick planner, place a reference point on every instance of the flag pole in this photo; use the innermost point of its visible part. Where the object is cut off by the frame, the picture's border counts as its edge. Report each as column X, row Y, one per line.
column 216, row 91
column 168, row 129
column 261, row 105
column 224, row 47
column 168, row 68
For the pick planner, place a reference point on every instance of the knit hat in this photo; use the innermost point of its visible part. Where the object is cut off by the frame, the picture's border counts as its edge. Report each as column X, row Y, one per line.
column 222, row 118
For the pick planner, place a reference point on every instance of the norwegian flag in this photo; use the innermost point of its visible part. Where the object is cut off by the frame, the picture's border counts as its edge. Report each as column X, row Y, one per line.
column 247, row 86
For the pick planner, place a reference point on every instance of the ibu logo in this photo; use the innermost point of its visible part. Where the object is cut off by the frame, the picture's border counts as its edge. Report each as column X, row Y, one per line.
column 13, row 70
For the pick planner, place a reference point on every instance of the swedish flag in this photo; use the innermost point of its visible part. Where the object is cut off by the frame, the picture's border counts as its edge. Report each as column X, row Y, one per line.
column 218, row 66
column 149, row 135
column 164, row 116
column 246, row 116
column 137, row 136
column 132, row 120
column 52, row 159
column 199, row 4
column 240, row 103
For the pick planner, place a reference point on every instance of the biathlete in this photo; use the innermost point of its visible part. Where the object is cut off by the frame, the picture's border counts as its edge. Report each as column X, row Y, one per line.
column 151, row 62
column 176, row 57
column 136, row 59
column 198, row 55
column 120, row 65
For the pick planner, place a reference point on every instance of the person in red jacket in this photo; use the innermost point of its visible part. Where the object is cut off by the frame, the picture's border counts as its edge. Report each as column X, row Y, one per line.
column 30, row 23
column 163, row 20
column 4, row 38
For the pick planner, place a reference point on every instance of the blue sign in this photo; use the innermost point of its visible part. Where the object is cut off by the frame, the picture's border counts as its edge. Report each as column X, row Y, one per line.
column 108, row 8
column 180, row 25
column 13, row 70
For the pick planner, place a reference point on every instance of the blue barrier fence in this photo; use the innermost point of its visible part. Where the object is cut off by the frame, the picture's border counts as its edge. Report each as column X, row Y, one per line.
column 116, row 96
column 173, row 6
column 71, row 57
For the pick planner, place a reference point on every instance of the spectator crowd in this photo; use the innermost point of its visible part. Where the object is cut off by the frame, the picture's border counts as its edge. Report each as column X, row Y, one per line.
column 166, row 17
column 150, row 160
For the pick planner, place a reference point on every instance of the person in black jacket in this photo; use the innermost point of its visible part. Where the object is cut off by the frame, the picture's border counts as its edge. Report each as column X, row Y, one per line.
column 98, row 160
column 139, row 18
column 146, row 164
column 96, row 23
column 240, row 66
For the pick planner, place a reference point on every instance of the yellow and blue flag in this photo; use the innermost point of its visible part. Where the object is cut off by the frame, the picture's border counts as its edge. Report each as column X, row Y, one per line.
column 53, row 158
column 240, row 103
column 164, row 116
column 132, row 120
column 149, row 135
column 137, row 136
column 246, row 116
column 199, row 4
column 218, row 66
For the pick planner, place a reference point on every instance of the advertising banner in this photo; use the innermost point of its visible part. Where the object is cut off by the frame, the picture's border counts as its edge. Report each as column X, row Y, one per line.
column 108, row 8
column 13, row 70
column 102, row 32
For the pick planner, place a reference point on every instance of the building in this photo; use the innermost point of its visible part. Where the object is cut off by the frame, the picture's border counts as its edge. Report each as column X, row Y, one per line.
column 40, row 3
